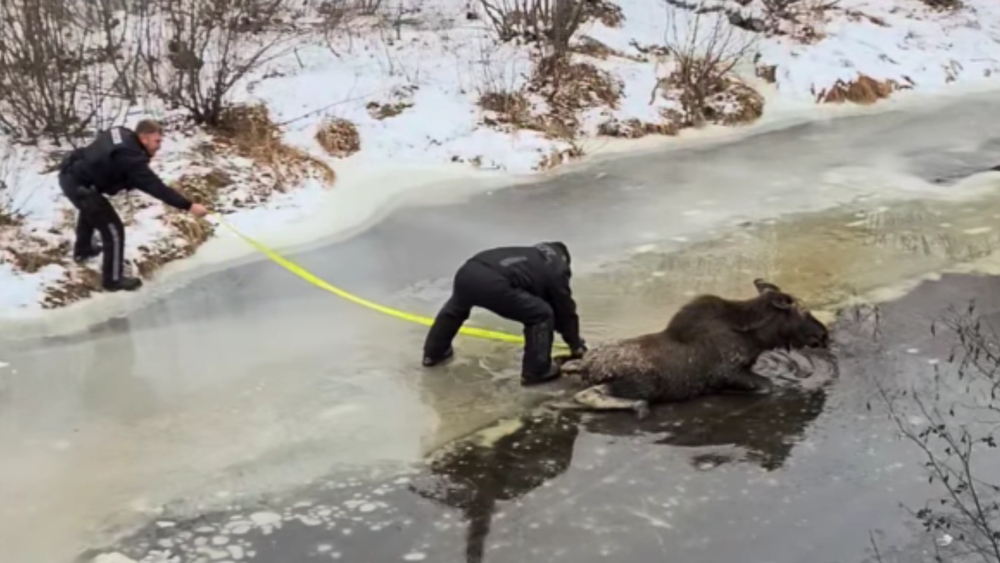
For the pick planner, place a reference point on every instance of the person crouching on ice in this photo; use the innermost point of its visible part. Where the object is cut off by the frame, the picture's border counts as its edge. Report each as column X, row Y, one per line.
column 530, row 285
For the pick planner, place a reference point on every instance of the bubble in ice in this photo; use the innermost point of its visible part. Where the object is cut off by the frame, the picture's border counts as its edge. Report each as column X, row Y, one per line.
column 265, row 518
column 414, row 556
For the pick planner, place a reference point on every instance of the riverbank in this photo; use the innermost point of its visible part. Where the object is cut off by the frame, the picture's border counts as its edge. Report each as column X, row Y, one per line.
column 407, row 110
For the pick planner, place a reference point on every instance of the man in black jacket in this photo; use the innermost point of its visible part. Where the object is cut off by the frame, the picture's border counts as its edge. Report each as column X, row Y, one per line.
column 529, row 285
column 117, row 160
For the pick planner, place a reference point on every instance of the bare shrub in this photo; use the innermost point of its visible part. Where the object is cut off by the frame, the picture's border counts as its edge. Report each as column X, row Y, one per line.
column 551, row 22
column 10, row 174
column 568, row 88
column 61, row 69
column 705, row 54
column 195, row 51
column 953, row 421
column 339, row 138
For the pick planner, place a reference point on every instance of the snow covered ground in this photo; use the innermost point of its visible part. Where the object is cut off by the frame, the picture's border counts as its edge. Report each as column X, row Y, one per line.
column 415, row 93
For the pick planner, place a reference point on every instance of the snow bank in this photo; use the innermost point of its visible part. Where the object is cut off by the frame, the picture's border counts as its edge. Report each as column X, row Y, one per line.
column 413, row 95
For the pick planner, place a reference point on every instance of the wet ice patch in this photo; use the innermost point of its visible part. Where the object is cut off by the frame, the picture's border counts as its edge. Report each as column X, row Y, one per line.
column 112, row 558
column 414, row 557
column 978, row 230
column 265, row 518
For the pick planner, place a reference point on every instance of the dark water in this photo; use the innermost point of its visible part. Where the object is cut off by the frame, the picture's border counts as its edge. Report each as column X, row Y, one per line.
column 811, row 473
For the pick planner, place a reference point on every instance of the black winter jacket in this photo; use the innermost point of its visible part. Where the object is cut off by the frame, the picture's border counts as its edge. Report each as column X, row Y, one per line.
column 116, row 161
column 544, row 271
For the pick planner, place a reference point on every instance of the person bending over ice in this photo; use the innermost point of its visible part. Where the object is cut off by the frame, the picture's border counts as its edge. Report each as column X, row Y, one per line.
column 530, row 285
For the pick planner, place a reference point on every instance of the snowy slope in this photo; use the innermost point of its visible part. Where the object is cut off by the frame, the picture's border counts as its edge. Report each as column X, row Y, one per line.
column 434, row 74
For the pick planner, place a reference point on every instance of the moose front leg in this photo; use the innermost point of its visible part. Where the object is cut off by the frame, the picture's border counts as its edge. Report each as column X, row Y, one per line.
column 744, row 381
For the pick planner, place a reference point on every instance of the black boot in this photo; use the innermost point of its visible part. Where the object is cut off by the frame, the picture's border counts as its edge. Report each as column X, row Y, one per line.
column 81, row 255
column 124, row 284
column 431, row 362
column 528, row 379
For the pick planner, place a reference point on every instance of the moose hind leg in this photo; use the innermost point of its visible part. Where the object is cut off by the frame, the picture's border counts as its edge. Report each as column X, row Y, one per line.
column 568, row 366
column 599, row 398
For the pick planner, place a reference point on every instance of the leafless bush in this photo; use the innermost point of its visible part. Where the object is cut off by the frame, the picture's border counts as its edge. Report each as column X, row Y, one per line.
column 10, row 173
column 194, row 52
column 955, row 426
column 705, row 49
column 59, row 71
column 552, row 22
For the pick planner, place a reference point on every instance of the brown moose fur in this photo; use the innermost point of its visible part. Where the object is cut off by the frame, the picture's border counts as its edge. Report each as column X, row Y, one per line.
column 709, row 346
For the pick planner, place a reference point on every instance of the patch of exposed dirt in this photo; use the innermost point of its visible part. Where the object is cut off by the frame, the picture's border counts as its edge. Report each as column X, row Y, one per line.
column 767, row 73
column 863, row 90
column 400, row 100
column 339, row 138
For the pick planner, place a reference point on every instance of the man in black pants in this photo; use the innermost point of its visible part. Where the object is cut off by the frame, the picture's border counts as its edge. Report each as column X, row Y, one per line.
column 117, row 160
column 525, row 284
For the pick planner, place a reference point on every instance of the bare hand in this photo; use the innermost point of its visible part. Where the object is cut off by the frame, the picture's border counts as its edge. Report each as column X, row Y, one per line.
column 198, row 210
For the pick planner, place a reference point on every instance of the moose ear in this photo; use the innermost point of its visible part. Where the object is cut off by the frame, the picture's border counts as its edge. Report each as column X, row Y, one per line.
column 764, row 286
column 781, row 301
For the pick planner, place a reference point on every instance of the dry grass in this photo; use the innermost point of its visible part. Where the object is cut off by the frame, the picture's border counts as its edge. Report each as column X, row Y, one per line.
column 36, row 253
column 568, row 88
column 508, row 108
column 248, row 131
column 205, row 188
column 339, row 138
column 634, row 128
column 738, row 105
column 604, row 11
column 944, row 5
column 75, row 285
column 9, row 217
column 863, row 90
column 723, row 100
column 381, row 111
column 401, row 99
column 194, row 232
column 591, row 47
column 557, row 157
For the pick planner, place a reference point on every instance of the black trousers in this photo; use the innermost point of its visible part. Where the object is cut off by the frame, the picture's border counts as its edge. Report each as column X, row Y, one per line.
column 97, row 214
column 478, row 285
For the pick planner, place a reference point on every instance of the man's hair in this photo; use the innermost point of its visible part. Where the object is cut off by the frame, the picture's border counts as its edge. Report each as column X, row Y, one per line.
column 148, row 127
